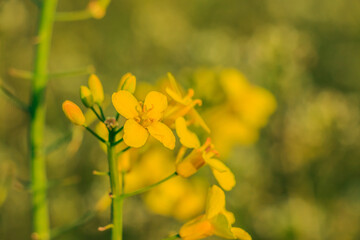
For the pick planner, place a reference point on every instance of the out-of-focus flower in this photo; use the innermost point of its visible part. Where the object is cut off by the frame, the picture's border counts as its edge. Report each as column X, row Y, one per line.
column 216, row 220
column 97, row 8
column 86, row 96
column 244, row 108
column 182, row 105
column 143, row 118
column 96, row 89
column 127, row 83
column 73, row 113
column 204, row 155
column 252, row 104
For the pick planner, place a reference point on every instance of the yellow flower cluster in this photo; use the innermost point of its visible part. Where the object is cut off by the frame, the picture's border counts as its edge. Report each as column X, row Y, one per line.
column 159, row 117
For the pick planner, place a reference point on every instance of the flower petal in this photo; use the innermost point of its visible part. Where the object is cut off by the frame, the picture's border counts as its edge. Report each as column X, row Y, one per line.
column 222, row 173
column 155, row 103
column 187, row 138
column 135, row 135
column 215, row 202
column 162, row 133
column 240, row 234
column 126, row 104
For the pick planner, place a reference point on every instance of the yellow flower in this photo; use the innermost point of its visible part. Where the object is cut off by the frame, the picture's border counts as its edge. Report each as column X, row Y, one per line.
column 204, row 155
column 73, row 113
column 216, row 221
column 183, row 105
column 96, row 89
column 128, row 83
column 143, row 118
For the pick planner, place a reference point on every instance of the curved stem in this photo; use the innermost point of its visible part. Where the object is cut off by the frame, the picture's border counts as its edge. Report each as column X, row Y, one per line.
column 145, row 189
column 40, row 209
column 73, row 16
column 117, row 199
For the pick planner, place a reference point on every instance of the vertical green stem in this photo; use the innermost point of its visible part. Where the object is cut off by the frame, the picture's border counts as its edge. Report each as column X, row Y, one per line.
column 40, row 211
column 117, row 199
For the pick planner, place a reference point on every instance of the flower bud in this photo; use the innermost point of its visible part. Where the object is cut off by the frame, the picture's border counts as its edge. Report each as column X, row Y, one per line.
column 73, row 113
column 127, row 83
column 96, row 89
column 86, row 96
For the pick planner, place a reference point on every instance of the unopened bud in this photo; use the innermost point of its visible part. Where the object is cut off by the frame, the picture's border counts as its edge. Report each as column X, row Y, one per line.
column 73, row 113
column 127, row 83
column 86, row 96
column 96, row 89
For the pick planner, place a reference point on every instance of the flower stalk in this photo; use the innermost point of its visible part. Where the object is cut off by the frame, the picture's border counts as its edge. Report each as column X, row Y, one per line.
column 40, row 209
column 116, row 189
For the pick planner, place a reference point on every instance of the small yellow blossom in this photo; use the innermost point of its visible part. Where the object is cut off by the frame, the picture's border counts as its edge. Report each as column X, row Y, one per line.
column 204, row 155
column 128, row 83
column 216, row 221
column 183, row 105
column 96, row 89
column 73, row 113
column 143, row 118
column 86, row 96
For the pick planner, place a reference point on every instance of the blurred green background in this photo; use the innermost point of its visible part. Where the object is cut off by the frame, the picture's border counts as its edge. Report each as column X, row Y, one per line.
column 300, row 180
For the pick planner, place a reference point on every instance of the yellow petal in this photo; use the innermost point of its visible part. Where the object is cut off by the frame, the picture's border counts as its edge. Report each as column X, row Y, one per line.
column 126, row 104
column 73, row 113
column 197, row 229
column 155, row 103
column 162, row 133
column 240, row 234
column 96, row 89
column 135, row 135
column 187, row 138
column 215, row 202
column 222, row 173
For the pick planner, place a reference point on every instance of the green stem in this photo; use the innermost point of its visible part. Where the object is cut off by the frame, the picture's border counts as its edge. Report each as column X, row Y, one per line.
column 145, row 189
column 40, row 209
column 95, row 134
column 117, row 199
column 97, row 115
column 73, row 16
column 101, row 112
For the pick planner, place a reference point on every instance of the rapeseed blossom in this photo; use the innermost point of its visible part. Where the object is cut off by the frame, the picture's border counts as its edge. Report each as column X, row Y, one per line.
column 143, row 118
column 216, row 221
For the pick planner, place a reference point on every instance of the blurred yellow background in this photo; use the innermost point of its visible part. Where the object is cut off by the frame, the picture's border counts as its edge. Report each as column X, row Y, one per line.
column 297, row 167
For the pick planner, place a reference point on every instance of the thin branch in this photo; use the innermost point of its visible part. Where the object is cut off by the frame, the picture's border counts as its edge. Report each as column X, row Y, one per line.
column 64, row 229
column 145, row 189
column 95, row 134
column 23, row 74
column 20, row 104
column 117, row 142
column 57, row 143
column 73, row 73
